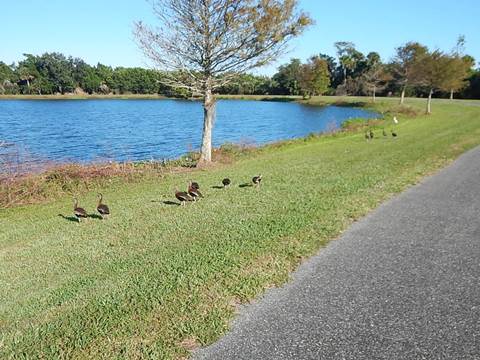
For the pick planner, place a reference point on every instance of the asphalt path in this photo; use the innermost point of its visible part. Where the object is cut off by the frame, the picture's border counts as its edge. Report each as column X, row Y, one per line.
column 402, row 283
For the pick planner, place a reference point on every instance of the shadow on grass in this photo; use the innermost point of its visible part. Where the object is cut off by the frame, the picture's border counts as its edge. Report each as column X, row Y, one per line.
column 279, row 99
column 245, row 185
column 172, row 203
column 218, row 187
column 95, row 216
column 357, row 104
column 69, row 218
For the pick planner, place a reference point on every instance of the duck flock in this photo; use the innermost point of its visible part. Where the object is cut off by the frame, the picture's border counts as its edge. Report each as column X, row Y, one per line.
column 192, row 194
column 193, row 191
column 370, row 135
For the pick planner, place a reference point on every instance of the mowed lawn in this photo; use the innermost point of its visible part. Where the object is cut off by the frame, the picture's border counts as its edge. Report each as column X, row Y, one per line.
column 157, row 280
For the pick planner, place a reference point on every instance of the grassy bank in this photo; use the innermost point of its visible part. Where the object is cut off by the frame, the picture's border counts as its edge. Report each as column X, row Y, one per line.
column 156, row 279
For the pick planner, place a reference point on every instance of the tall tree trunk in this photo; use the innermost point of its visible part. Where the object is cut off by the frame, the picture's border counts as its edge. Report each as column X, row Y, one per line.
column 429, row 102
column 451, row 94
column 374, row 90
column 402, row 97
column 208, row 119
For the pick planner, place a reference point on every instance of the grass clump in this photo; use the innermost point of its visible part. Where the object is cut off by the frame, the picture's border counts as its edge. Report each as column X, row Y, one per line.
column 157, row 280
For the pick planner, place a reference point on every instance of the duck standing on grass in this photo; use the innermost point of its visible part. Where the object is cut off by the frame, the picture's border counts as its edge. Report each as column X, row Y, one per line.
column 226, row 182
column 367, row 136
column 257, row 180
column 194, row 185
column 193, row 191
column 372, row 135
column 182, row 197
column 78, row 211
column 103, row 209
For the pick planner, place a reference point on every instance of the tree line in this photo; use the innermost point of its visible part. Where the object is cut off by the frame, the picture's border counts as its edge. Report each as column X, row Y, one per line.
column 55, row 73
column 415, row 70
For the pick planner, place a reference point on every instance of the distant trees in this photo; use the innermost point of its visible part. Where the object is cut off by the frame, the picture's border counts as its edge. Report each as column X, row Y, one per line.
column 415, row 70
column 8, row 79
column 472, row 91
column 404, row 63
column 431, row 72
column 314, row 77
column 375, row 76
column 351, row 61
column 288, row 77
column 248, row 84
column 345, row 51
column 459, row 68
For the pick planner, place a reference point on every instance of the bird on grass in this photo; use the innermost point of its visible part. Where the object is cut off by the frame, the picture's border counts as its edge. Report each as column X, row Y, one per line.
column 257, row 180
column 226, row 182
column 394, row 134
column 79, row 212
column 193, row 191
column 367, row 136
column 194, row 185
column 182, row 196
column 384, row 133
column 395, row 121
column 103, row 209
column 372, row 135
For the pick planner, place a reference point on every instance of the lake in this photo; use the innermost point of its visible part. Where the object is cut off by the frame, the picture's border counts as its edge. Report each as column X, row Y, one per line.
column 99, row 130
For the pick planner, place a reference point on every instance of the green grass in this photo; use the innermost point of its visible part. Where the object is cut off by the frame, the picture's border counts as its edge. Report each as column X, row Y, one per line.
column 155, row 280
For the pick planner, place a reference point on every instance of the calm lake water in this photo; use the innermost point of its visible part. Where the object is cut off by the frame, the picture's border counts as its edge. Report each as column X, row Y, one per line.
column 97, row 130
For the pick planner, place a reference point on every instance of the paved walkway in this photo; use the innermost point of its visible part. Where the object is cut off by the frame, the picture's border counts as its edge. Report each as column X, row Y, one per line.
column 403, row 283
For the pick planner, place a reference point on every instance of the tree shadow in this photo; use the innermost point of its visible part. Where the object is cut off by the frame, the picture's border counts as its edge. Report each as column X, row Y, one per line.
column 279, row 99
column 356, row 104
column 245, row 185
column 69, row 218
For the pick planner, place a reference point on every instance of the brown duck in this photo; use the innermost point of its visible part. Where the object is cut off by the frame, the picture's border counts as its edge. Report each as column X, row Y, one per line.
column 79, row 212
column 182, row 196
column 194, row 185
column 193, row 191
column 102, row 208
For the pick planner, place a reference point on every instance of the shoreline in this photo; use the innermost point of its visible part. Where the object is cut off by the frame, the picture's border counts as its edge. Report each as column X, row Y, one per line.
column 86, row 97
column 327, row 99
column 46, row 181
column 283, row 98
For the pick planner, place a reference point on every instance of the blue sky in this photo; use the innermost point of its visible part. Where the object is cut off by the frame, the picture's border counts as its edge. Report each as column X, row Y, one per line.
column 101, row 30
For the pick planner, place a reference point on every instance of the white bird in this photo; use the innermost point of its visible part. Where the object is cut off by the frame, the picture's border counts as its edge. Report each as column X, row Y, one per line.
column 395, row 120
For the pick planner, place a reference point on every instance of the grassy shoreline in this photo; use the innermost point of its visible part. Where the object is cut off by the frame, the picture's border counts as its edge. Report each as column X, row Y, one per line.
column 156, row 280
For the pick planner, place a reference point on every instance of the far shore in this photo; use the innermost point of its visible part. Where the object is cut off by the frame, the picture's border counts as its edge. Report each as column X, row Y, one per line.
column 82, row 97
column 316, row 100
column 143, row 97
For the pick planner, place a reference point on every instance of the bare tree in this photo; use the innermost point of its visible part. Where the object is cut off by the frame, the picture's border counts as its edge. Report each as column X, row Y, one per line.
column 202, row 44
column 375, row 78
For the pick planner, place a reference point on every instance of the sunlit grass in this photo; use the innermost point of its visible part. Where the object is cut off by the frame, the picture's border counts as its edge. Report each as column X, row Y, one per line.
column 157, row 279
